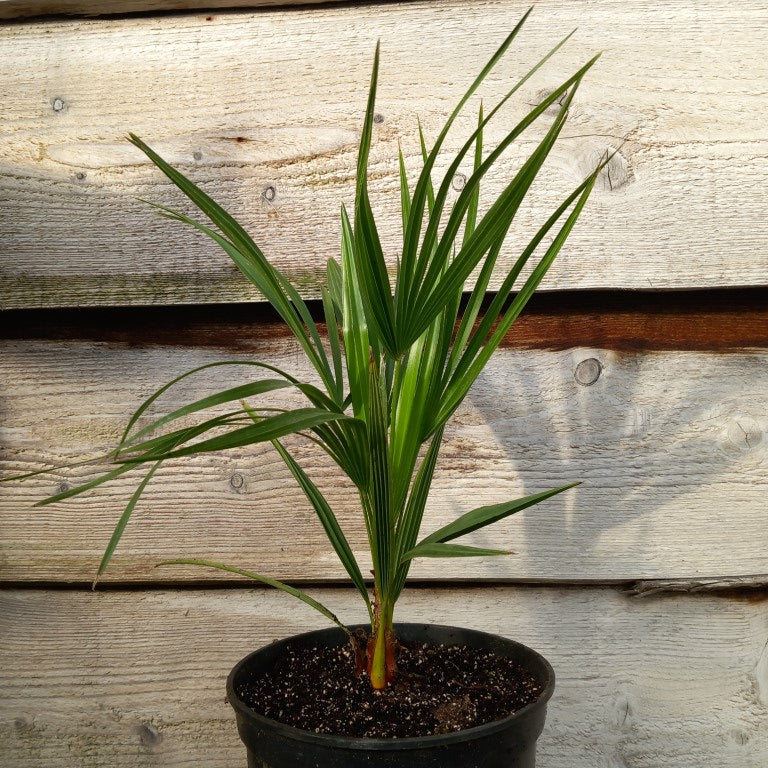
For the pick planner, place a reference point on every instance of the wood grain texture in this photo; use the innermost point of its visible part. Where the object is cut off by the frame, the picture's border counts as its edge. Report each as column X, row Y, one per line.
column 19, row 9
column 271, row 129
column 670, row 447
column 133, row 680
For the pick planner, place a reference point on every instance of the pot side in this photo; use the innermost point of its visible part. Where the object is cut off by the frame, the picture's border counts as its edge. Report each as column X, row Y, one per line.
column 506, row 743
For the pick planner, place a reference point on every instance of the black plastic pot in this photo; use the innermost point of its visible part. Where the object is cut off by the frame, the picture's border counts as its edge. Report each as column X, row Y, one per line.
column 506, row 743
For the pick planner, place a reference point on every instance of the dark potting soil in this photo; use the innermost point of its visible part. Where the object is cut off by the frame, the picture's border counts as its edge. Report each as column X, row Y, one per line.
column 438, row 689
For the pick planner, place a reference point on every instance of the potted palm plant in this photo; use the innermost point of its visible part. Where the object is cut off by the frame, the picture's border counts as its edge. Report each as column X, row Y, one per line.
column 399, row 356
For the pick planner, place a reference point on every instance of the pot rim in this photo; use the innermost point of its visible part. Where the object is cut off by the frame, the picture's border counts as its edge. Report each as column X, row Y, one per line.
column 393, row 744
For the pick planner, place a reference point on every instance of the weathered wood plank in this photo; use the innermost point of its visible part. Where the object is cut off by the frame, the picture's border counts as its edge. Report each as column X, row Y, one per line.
column 19, row 9
column 670, row 447
column 275, row 140
column 135, row 679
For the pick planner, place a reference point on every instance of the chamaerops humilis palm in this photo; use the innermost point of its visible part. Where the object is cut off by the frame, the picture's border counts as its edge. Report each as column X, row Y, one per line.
column 398, row 358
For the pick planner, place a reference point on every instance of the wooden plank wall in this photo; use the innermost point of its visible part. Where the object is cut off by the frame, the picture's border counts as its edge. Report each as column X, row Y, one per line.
column 641, row 371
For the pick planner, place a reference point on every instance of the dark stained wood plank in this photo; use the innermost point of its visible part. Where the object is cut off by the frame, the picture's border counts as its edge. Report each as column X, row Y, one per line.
column 20, row 9
column 710, row 320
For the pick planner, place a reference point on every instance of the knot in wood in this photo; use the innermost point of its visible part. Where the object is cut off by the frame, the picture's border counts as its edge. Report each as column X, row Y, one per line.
column 739, row 736
column 588, row 371
column 744, row 433
column 459, row 182
column 21, row 723
column 58, row 104
column 617, row 173
column 148, row 734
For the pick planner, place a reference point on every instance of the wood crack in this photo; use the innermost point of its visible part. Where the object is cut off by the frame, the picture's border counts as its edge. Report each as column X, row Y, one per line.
column 755, row 586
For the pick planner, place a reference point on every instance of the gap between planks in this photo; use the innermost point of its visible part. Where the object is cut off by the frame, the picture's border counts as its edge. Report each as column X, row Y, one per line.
column 752, row 588
column 29, row 9
column 702, row 320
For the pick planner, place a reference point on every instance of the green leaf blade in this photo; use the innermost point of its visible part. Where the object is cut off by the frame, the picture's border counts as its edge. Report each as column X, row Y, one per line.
column 249, row 259
column 484, row 516
column 329, row 522
column 379, row 492
column 490, row 332
column 220, row 398
column 374, row 284
column 123, row 521
column 357, row 342
column 268, row 429
column 106, row 477
column 270, row 582
column 490, row 232
column 438, row 549
column 424, row 182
